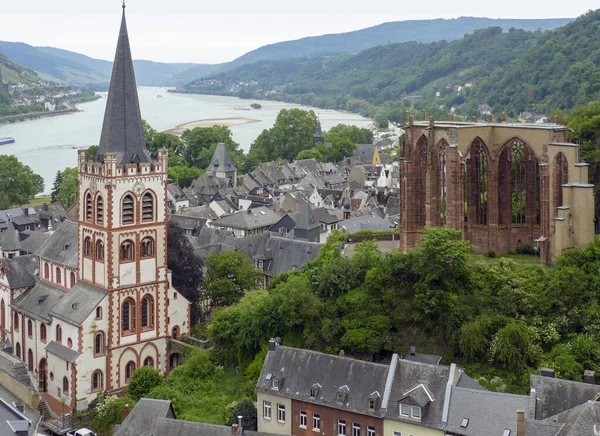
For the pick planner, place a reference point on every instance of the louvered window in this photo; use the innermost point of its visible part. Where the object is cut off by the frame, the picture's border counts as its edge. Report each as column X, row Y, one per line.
column 100, row 210
column 128, row 209
column 147, row 208
column 89, row 208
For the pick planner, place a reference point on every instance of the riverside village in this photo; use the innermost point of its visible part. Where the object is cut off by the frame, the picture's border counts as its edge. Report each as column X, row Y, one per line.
column 437, row 274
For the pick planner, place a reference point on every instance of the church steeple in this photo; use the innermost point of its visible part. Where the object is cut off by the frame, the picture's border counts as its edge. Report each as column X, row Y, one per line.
column 122, row 131
column 318, row 135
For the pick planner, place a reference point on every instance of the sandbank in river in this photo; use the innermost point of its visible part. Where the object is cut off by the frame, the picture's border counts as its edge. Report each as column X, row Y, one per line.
column 211, row 122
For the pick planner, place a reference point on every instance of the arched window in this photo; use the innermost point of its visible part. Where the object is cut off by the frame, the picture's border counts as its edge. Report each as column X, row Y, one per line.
column 87, row 246
column 89, row 207
column 43, row 332
column 149, row 361
column 65, row 385
column 99, row 343
column 147, row 207
column 97, row 381
column 127, row 250
column 147, row 247
column 175, row 332
column 127, row 209
column 46, row 271
column 18, row 348
column 420, row 192
column 147, row 311
column 519, row 175
column 30, row 329
column 98, row 312
column 128, row 316
column 477, row 179
column 173, row 361
column 442, row 176
column 99, row 210
column 561, row 177
column 16, row 321
column 58, row 276
column 69, row 343
column 2, row 315
column 99, row 250
column 30, row 360
column 73, row 279
column 58, row 334
column 129, row 370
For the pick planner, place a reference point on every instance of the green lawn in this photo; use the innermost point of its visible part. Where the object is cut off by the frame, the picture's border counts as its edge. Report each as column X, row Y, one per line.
column 523, row 259
column 38, row 201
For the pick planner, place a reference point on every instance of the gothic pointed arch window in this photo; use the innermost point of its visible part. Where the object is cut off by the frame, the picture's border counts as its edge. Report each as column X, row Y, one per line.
column 89, row 207
column 58, row 276
column 18, row 350
column 443, row 177
column 147, row 207
column 87, row 247
column 149, row 361
column 129, row 370
column 477, row 168
column 421, row 180
column 147, row 311
column 519, row 176
column 46, row 271
column 97, row 381
column 30, row 359
column 99, row 210
column 127, row 250
column 99, row 250
column 561, row 177
column 128, row 316
column 73, row 279
column 127, row 209
column 16, row 321
column 147, row 247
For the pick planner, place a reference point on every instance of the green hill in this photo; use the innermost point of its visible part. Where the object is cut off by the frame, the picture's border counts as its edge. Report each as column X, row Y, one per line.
column 511, row 71
column 11, row 73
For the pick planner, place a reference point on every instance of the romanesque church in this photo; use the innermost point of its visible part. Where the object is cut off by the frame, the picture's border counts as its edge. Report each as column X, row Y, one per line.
column 96, row 302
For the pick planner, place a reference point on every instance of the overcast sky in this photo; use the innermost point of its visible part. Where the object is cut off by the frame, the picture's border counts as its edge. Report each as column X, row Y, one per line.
column 219, row 31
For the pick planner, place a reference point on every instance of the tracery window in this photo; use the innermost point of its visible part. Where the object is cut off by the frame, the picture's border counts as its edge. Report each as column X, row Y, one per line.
column 147, row 311
column 127, row 250
column 87, row 246
column 443, row 174
column 420, row 191
column 147, row 247
column 561, row 177
column 99, row 250
column 519, row 176
column 149, row 361
column 128, row 316
column 479, row 158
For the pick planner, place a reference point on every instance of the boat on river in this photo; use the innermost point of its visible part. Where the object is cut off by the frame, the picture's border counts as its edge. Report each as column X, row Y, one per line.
column 7, row 140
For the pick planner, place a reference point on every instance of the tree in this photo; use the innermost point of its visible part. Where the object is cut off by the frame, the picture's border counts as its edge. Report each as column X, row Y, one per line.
column 56, row 186
column 92, row 153
column 201, row 142
column 339, row 149
column 184, row 175
column 310, row 154
column 247, row 411
column 186, row 268
column 229, row 275
column 18, row 183
column 67, row 190
column 356, row 135
column 142, row 381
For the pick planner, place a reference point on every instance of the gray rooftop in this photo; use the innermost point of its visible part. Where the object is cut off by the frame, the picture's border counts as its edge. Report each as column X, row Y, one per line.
column 20, row 270
column 303, row 369
column 38, row 301
column 578, row 421
column 65, row 353
column 248, row 220
column 557, row 395
column 306, row 219
column 489, row 413
column 122, row 131
column 366, row 222
column 75, row 306
column 142, row 420
column 176, row 427
column 34, row 242
column 289, row 254
column 61, row 247
column 221, row 161
column 10, row 239
column 12, row 421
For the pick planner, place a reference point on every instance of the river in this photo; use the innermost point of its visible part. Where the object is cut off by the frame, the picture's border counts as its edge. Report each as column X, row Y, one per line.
column 49, row 144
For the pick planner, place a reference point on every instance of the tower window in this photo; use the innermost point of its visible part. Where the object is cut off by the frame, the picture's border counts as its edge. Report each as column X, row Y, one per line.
column 127, row 209
column 147, row 249
column 147, row 207
column 43, row 333
column 99, row 210
column 89, row 208
column 129, row 370
column 30, row 329
column 99, row 344
column 128, row 316
column 147, row 311
column 99, row 250
column 127, row 250
column 87, row 246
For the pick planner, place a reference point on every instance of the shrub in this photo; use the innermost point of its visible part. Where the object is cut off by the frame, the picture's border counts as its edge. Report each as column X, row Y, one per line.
column 491, row 253
column 526, row 249
column 142, row 381
column 110, row 413
column 247, row 411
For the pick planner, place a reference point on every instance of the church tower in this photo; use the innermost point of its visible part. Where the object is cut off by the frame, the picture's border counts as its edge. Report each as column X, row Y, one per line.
column 318, row 137
column 122, row 232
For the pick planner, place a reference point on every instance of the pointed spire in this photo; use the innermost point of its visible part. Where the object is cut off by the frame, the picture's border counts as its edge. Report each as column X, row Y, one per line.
column 122, row 131
column 221, row 161
column 307, row 219
column 318, row 137
column 10, row 238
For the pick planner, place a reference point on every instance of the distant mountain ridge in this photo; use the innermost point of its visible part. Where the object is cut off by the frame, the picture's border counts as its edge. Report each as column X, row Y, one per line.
column 74, row 68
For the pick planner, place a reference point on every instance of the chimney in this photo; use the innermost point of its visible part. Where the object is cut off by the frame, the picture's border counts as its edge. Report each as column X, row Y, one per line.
column 490, row 118
column 406, row 117
column 589, row 377
column 423, row 115
column 26, row 211
column 473, row 119
column 413, row 350
column 273, row 343
column 125, row 411
column 240, row 422
column 547, row 372
column 342, row 354
column 249, row 211
column 520, row 423
column 45, row 207
column 234, row 429
column 431, row 121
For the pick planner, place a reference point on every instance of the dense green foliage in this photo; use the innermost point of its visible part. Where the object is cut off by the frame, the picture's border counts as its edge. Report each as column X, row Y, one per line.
column 142, row 381
column 498, row 318
column 247, row 411
column 65, row 187
column 511, row 71
column 18, row 183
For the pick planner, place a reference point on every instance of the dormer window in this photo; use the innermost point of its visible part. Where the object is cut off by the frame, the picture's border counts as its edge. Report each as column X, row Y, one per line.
column 314, row 390
column 341, row 394
column 373, row 400
column 415, row 412
column 404, row 410
column 277, row 381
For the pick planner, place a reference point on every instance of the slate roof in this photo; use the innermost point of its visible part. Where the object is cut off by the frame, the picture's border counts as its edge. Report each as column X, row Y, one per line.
column 16, row 368
column 10, row 239
column 578, row 421
column 61, row 247
column 408, row 376
column 200, row 212
column 212, row 240
column 34, row 241
column 365, row 152
column 306, row 219
column 59, row 350
column 287, row 254
column 141, row 421
column 393, row 205
column 75, row 306
column 367, row 222
column 176, row 191
column 257, row 218
column 38, row 301
column 20, row 270
column 176, row 427
column 542, row 428
column 188, row 222
column 122, row 131
column 324, row 216
column 489, row 413
column 304, row 368
column 557, row 395
column 12, row 421
column 464, row 381
column 221, row 161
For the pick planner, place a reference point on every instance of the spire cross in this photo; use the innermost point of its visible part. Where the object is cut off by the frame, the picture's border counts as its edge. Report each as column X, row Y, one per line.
column 124, row 3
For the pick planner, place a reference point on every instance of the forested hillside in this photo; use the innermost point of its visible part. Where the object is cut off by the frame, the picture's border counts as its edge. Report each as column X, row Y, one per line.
column 511, row 71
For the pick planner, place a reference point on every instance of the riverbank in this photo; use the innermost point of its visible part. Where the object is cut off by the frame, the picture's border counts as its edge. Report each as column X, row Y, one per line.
column 228, row 122
column 34, row 115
